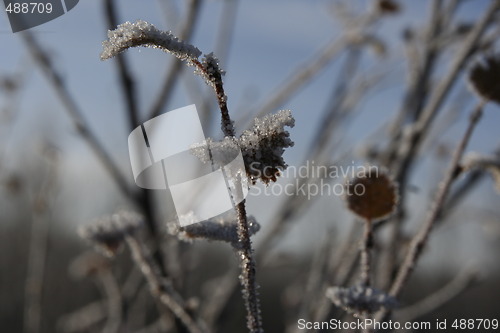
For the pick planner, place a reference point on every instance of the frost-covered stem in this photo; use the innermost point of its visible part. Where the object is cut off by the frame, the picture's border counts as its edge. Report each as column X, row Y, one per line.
column 247, row 277
column 114, row 300
column 160, row 289
column 409, row 148
column 404, row 151
column 226, row 123
column 366, row 248
column 214, row 78
column 421, row 237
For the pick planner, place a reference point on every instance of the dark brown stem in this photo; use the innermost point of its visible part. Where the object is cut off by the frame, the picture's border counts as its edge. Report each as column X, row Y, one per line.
column 366, row 248
column 215, row 79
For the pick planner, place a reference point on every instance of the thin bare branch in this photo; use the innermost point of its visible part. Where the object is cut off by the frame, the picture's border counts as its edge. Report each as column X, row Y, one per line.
column 434, row 301
column 422, row 236
column 42, row 59
column 160, row 288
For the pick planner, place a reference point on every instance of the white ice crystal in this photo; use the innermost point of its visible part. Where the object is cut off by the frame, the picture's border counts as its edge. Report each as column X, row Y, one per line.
column 219, row 153
column 142, row 33
column 211, row 71
column 263, row 145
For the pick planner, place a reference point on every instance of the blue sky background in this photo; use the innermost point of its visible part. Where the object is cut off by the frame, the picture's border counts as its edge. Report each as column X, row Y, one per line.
column 270, row 40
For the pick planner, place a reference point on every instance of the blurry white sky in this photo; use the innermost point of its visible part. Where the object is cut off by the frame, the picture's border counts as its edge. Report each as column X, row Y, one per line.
column 270, row 40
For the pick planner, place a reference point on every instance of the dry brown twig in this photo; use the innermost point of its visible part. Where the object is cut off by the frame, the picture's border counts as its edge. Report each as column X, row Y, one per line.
column 421, row 237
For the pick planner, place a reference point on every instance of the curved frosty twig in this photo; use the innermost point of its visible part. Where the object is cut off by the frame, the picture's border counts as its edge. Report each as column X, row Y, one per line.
column 142, row 33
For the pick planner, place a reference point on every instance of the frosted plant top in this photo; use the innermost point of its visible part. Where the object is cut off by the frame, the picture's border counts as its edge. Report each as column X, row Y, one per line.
column 142, row 33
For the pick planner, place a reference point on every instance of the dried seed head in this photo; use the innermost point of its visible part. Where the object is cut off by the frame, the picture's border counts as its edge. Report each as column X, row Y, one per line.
column 372, row 195
column 360, row 299
column 263, row 146
column 108, row 232
column 388, row 7
column 483, row 78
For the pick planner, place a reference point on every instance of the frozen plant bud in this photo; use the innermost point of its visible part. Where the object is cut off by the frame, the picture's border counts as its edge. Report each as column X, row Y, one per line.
column 483, row 78
column 263, row 146
column 360, row 299
column 142, row 33
column 372, row 195
column 223, row 228
column 108, row 232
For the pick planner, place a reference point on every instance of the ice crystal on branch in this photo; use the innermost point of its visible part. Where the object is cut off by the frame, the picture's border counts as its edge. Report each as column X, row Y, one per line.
column 360, row 299
column 108, row 232
column 219, row 153
column 211, row 71
column 263, row 146
column 142, row 33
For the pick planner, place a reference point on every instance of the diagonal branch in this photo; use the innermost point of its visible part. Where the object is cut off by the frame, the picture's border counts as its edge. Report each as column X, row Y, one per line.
column 420, row 239
column 42, row 59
